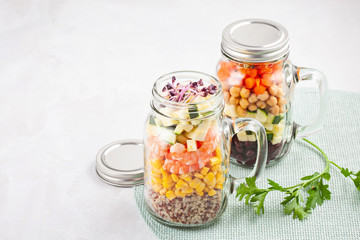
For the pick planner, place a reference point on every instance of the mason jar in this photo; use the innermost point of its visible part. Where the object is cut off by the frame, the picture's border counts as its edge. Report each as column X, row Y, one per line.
column 187, row 150
column 258, row 82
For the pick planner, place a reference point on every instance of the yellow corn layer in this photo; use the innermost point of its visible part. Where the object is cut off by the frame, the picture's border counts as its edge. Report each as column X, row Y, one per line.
column 157, row 163
column 219, row 186
column 200, row 188
column 218, row 152
column 200, row 193
column 204, row 170
column 170, row 195
column 195, row 183
column 214, row 161
column 157, row 187
column 199, row 175
column 187, row 190
column 174, row 177
column 205, row 180
column 209, row 177
column 162, row 191
column 178, row 193
column 211, row 192
column 186, row 177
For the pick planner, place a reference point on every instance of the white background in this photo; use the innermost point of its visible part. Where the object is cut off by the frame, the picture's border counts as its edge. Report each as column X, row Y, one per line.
column 76, row 75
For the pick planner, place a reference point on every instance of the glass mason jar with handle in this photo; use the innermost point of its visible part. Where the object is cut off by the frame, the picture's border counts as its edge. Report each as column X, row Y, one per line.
column 187, row 147
column 258, row 82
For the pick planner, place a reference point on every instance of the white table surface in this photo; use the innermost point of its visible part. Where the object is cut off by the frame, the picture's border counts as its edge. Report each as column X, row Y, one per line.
column 76, row 75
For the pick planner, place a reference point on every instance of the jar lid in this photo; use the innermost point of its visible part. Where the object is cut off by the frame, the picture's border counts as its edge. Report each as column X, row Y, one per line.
column 121, row 163
column 255, row 40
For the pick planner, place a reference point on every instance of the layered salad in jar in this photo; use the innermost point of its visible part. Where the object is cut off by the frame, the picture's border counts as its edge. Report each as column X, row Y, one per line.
column 184, row 176
column 254, row 91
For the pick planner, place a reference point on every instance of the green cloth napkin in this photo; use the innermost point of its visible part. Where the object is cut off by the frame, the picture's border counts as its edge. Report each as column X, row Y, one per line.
column 338, row 218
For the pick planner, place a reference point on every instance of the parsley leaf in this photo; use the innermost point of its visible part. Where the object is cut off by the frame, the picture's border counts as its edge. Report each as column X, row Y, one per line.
column 318, row 192
column 298, row 211
column 293, row 202
column 275, row 186
column 252, row 194
column 345, row 172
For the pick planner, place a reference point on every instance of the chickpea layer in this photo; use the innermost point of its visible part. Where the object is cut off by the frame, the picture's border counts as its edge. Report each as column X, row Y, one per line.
column 261, row 88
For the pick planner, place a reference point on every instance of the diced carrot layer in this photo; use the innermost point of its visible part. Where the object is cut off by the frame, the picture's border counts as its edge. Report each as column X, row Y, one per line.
column 259, row 89
column 249, row 83
column 257, row 76
column 252, row 72
column 266, row 82
column 265, row 70
column 223, row 74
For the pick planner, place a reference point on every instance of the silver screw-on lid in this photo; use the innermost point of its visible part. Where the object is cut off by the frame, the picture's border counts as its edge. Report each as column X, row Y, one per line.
column 255, row 40
column 121, row 163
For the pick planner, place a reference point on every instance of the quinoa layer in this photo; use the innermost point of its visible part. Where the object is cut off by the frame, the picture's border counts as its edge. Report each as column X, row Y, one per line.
column 193, row 209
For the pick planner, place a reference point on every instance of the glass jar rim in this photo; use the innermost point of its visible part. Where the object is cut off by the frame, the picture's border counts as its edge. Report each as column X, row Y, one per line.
column 190, row 75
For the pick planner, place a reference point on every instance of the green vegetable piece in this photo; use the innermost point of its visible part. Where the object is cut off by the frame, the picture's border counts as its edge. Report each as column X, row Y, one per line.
column 152, row 120
column 277, row 119
column 249, row 132
column 269, row 136
column 193, row 112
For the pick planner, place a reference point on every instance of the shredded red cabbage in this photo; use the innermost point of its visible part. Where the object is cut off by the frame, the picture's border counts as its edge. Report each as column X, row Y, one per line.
column 187, row 93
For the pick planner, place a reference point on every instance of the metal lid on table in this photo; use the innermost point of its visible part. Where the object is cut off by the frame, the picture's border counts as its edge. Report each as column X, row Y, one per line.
column 255, row 40
column 121, row 163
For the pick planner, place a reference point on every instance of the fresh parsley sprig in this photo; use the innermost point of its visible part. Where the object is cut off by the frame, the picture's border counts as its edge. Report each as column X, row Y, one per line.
column 294, row 202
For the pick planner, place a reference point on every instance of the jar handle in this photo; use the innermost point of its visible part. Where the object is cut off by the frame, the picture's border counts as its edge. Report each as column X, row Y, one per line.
column 248, row 124
column 304, row 74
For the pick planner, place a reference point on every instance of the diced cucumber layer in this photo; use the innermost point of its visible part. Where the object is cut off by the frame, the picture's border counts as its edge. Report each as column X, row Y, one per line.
column 167, row 121
column 152, row 120
column 270, row 118
column 180, row 114
column 199, row 132
column 251, row 114
column 196, row 122
column 183, row 127
column 188, row 127
column 277, row 119
column 269, row 136
column 261, row 116
column 268, row 126
column 204, row 106
column 151, row 130
column 158, row 122
column 242, row 136
column 181, row 139
column 191, row 145
column 276, row 140
column 167, row 136
column 251, row 138
column 179, row 129
column 193, row 112
column 246, row 136
column 278, row 129
column 230, row 110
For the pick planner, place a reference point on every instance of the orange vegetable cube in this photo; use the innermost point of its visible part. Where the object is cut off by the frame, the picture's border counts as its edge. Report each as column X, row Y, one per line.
column 249, row 83
column 252, row 72
column 223, row 74
column 259, row 90
column 266, row 82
